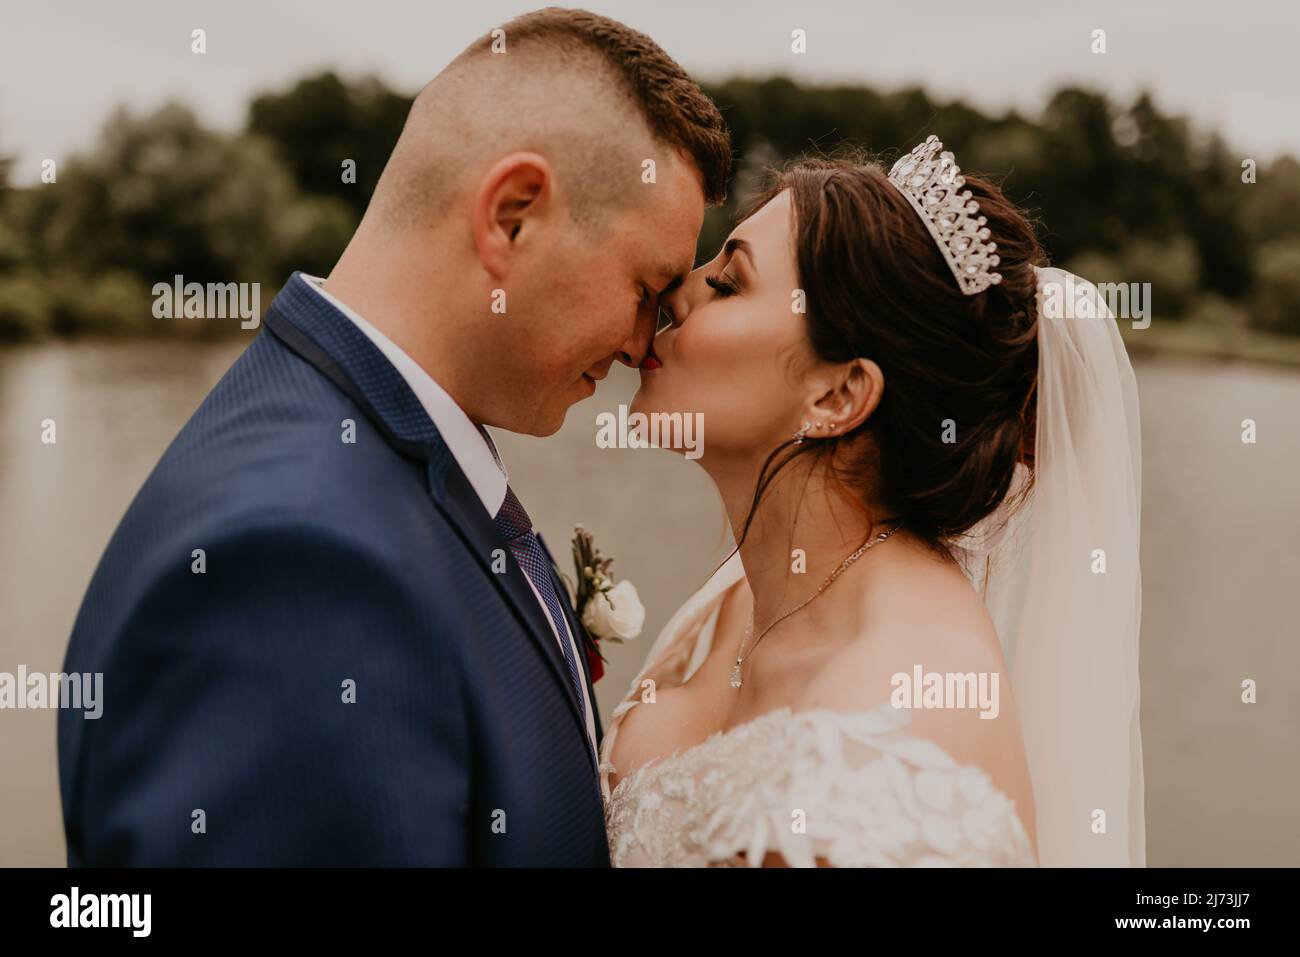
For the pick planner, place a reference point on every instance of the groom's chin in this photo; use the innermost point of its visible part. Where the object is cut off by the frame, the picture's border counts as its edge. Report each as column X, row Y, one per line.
column 549, row 416
column 547, row 430
column 549, row 420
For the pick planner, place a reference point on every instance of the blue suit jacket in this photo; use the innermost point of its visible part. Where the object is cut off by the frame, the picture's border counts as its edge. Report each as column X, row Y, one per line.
column 327, row 563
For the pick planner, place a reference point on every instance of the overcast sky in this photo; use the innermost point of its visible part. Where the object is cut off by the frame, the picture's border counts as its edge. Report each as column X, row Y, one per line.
column 1231, row 66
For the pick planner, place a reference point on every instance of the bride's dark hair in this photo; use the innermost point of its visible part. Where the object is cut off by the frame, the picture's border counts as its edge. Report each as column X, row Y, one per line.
column 877, row 287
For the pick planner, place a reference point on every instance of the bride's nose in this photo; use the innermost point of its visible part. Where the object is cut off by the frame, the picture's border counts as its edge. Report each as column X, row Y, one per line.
column 678, row 303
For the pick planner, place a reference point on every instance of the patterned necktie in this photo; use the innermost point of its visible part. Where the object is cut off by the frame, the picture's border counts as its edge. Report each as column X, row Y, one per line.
column 517, row 529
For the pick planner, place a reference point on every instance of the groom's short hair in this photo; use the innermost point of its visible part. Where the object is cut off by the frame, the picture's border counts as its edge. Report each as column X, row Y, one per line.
column 581, row 88
column 676, row 109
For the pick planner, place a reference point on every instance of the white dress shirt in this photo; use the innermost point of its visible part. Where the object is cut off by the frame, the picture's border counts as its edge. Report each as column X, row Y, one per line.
column 474, row 453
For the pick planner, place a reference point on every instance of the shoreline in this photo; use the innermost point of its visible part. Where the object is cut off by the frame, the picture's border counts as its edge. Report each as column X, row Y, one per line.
column 1211, row 344
column 1165, row 339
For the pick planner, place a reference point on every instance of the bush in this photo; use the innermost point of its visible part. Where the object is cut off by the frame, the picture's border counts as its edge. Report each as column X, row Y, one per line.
column 311, row 235
column 34, row 305
column 1276, row 299
column 115, row 302
column 13, row 251
column 1097, row 267
column 26, row 307
column 1212, row 309
column 1170, row 266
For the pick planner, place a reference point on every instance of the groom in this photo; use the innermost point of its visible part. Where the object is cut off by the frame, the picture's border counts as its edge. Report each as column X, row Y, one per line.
column 328, row 632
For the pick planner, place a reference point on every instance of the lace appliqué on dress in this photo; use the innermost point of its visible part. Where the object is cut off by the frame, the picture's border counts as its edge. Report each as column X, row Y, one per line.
column 850, row 789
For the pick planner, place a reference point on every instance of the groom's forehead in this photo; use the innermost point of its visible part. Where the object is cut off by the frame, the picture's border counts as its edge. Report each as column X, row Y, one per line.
column 659, row 233
column 662, row 251
column 673, row 214
column 673, row 251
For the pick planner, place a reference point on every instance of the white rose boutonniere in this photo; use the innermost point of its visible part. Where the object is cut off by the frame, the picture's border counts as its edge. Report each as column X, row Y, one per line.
column 615, row 613
column 608, row 610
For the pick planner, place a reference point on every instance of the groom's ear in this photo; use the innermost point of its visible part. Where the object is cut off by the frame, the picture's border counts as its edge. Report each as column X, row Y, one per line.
column 513, row 197
column 848, row 396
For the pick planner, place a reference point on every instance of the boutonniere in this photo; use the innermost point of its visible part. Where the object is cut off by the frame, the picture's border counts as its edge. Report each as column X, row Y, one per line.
column 608, row 610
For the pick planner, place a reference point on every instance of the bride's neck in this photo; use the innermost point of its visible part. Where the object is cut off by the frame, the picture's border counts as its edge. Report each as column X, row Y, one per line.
column 800, row 532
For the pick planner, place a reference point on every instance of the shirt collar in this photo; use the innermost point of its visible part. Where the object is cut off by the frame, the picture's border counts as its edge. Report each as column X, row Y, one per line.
column 470, row 444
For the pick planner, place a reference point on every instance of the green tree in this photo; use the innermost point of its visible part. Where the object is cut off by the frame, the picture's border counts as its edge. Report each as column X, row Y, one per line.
column 1271, row 204
column 1215, row 222
column 162, row 195
column 321, row 122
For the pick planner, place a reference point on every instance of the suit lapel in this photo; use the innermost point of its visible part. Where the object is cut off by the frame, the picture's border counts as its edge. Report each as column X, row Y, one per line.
column 322, row 336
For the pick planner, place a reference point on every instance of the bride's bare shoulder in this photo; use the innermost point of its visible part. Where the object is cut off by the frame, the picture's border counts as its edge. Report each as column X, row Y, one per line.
column 917, row 610
column 925, row 620
column 928, row 645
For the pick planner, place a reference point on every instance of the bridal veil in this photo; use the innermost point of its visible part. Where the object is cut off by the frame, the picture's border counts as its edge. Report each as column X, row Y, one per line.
column 1061, row 580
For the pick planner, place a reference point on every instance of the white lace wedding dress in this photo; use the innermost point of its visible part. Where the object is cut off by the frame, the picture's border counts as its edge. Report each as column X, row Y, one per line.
column 844, row 788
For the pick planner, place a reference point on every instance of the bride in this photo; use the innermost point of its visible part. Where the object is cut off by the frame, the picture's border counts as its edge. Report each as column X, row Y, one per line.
column 927, row 448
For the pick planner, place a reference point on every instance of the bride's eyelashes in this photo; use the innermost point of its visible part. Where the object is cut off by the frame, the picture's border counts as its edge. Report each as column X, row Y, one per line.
column 722, row 284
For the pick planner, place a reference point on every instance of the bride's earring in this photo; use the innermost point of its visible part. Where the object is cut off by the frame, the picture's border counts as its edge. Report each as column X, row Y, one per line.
column 799, row 436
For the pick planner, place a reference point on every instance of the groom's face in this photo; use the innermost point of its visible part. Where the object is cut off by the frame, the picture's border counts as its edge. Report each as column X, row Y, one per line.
column 597, row 293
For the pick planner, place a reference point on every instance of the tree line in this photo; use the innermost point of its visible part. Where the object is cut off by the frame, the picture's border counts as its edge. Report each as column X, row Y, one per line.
column 1121, row 192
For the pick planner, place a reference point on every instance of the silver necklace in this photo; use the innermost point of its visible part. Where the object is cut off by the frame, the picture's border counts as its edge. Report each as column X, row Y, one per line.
column 736, row 679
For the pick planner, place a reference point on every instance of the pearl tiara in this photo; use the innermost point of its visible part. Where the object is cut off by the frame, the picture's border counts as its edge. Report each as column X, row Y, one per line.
column 931, row 181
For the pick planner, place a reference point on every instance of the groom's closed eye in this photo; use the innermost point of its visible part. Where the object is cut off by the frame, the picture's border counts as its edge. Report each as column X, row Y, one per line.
column 650, row 294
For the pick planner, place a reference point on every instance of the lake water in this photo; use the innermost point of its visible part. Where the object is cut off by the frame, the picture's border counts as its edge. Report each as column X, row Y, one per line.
column 1221, row 535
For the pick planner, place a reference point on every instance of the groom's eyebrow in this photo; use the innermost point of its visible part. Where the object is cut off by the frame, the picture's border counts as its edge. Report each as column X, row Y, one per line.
column 673, row 284
column 678, row 275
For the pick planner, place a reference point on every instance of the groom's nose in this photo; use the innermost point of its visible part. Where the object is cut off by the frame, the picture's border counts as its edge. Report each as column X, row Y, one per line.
column 637, row 345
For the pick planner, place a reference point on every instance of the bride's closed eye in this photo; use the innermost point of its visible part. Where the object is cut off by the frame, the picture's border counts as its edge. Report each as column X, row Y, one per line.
column 723, row 285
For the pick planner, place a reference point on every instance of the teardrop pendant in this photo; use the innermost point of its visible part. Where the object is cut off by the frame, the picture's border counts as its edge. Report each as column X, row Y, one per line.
column 735, row 675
